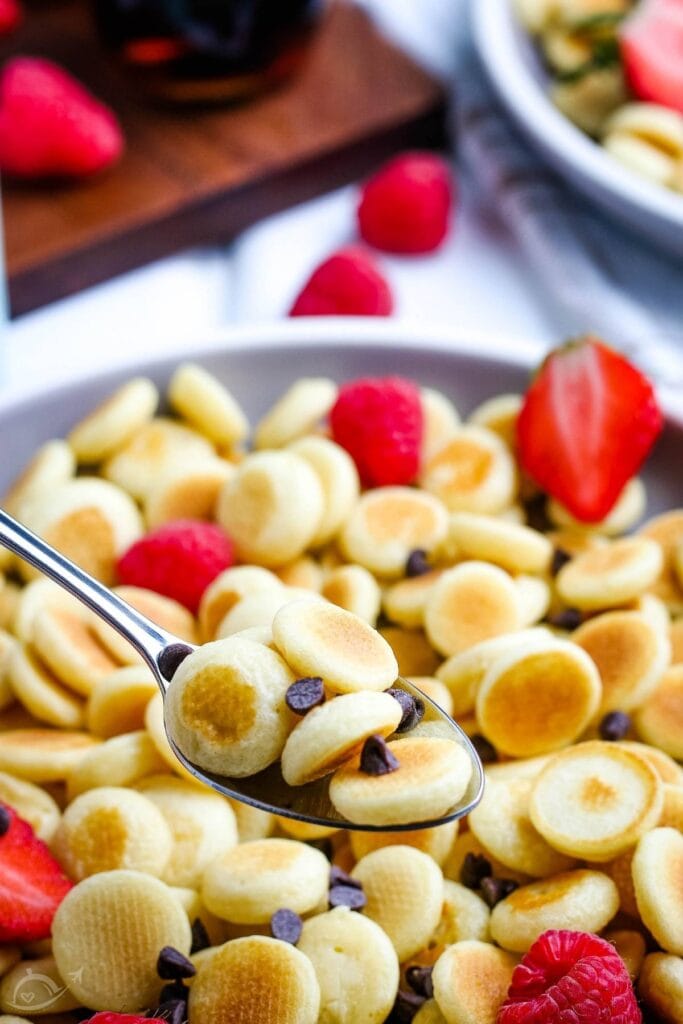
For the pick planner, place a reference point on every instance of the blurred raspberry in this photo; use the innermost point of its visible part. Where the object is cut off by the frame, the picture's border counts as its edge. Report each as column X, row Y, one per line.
column 348, row 283
column 107, row 1017
column 11, row 15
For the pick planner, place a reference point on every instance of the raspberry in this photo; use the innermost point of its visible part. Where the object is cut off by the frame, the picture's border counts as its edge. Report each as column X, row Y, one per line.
column 379, row 423
column 570, row 978
column 178, row 560
column 11, row 16
column 405, row 207
column 348, row 283
column 106, row 1017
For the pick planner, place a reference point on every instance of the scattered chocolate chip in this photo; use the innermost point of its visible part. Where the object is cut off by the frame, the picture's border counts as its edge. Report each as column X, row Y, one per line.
column 200, row 937
column 172, row 965
column 487, row 752
column 376, row 758
column 339, row 877
column 412, row 707
column 171, row 657
column 570, row 618
column 286, row 926
column 536, row 513
column 174, row 1011
column 347, row 896
column 405, row 1007
column 420, row 980
column 417, row 564
column 305, row 694
column 615, row 726
column 173, row 992
column 560, row 559
column 493, row 890
column 5, row 821
column 475, row 868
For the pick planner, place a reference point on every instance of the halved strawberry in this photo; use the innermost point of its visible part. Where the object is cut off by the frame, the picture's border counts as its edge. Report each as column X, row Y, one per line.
column 588, row 421
column 32, row 884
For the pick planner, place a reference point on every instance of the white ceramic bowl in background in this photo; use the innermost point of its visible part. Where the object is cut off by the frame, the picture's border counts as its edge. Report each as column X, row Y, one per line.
column 517, row 74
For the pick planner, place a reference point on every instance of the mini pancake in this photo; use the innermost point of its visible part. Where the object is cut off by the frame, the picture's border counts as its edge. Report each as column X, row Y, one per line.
column 295, row 413
column 63, row 641
column 156, row 730
column 7, row 644
column 152, row 452
column 121, row 919
column 118, row 702
column 252, row 823
column 659, row 721
column 303, row 830
column 34, row 598
column 388, row 523
column 676, row 640
column 437, row 842
column 249, row 882
column 119, row 761
column 470, row 603
column 672, row 811
column 272, row 507
column 499, row 414
column 43, row 755
column 331, row 733
column 502, row 824
column 440, row 421
column 471, row 980
column 432, row 776
column 51, row 466
column 29, row 983
column 612, row 575
column 473, row 472
column 90, row 521
column 227, row 589
column 654, row 610
column 203, row 401
column 582, row 900
column 534, row 596
column 667, row 530
column 32, row 803
column 464, row 915
column 225, row 707
column 576, row 542
column 657, row 878
column 110, row 828
column 303, row 573
column 202, row 826
column 665, row 766
column 256, row 979
column 338, row 478
column 524, row 768
column 356, row 590
column 630, row 654
column 318, row 639
column 628, row 509
column 435, row 690
column 512, row 547
column 404, row 602
column 412, row 650
column 259, row 609
column 462, row 673
column 355, row 964
column 660, row 986
column 41, row 692
column 188, row 491
column 404, row 891
column 534, row 702
column 630, row 945
column 595, row 800
column 113, row 423
column 9, row 600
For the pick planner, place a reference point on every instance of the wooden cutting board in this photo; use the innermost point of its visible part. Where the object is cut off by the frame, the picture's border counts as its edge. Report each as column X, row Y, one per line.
column 190, row 176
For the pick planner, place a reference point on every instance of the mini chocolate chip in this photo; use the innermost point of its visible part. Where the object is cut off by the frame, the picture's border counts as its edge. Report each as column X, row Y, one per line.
column 200, row 937
column 536, row 513
column 493, row 890
column 305, row 694
column 475, row 867
column 376, row 758
column 347, row 896
column 417, row 564
column 615, row 726
column 339, row 877
column 420, row 980
column 405, row 1007
column 570, row 618
column 172, row 965
column 560, row 558
column 412, row 707
column 487, row 752
column 171, row 657
column 174, row 1011
column 5, row 821
column 286, row 926
column 173, row 992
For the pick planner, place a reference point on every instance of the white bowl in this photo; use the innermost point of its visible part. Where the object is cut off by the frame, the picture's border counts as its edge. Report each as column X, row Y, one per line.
column 517, row 74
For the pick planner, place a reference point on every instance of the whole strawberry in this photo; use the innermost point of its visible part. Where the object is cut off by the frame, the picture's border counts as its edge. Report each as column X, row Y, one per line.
column 11, row 16
column 348, row 283
column 50, row 125
column 405, row 207
column 570, row 978
column 587, row 424
column 379, row 422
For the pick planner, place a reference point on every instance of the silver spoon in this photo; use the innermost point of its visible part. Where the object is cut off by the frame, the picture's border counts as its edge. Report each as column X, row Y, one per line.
column 163, row 652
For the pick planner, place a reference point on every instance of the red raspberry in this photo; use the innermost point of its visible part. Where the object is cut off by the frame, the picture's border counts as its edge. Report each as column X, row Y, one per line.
column 379, row 422
column 348, row 283
column 405, row 207
column 570, row 978
column 178, row 560
column 107, row 1017
column 11, row 15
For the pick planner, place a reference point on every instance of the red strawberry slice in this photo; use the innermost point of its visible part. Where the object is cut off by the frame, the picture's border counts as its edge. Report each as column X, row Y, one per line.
column 587, row 423
column 11, row 15
column 652, row 52
column 50, row 125
column 32, row 884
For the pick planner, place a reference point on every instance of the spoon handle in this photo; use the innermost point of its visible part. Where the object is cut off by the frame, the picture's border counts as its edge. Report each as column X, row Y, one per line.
column 147, row 638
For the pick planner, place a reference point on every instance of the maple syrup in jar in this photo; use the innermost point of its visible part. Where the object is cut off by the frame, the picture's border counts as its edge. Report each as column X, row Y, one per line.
column 209, row 50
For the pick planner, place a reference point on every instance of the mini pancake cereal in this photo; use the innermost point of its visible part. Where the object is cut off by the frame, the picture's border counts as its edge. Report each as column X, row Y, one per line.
column 152, row 452
column 227, row 590
column 464, row 915
column 437, row 841
column 611, row 576
column 660, row 986
column 119, row 761
column 473, row 472
column 297, row 412
column 205, row 403
column 659, row 720
column 657, row 873
column 53, row 464
column 471, row 602
column 113, row 423
column 356, row 590
column 117, row 704
column 471, row 980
